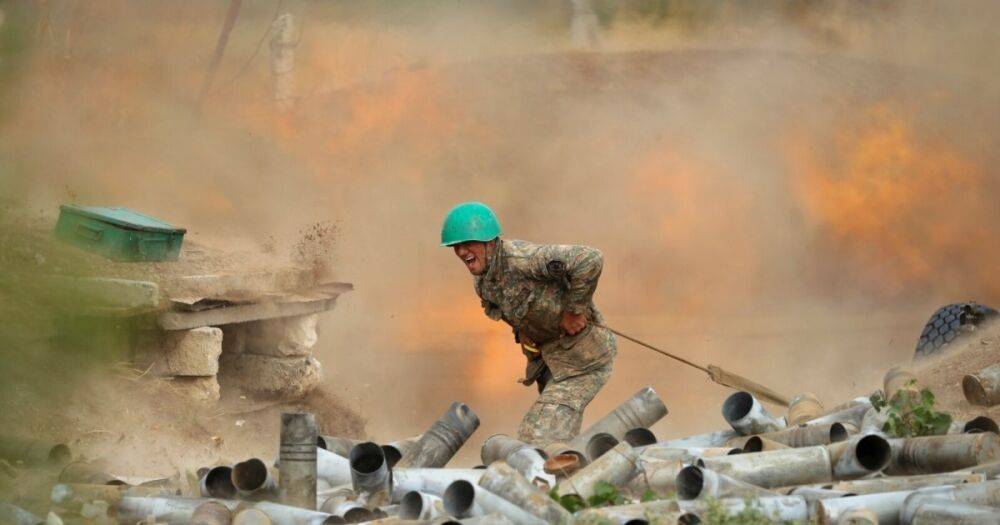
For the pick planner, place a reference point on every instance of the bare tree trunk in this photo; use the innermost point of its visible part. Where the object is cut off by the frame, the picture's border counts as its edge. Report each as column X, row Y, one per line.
column 283, row 43
column 220, row 46
column 583, row 27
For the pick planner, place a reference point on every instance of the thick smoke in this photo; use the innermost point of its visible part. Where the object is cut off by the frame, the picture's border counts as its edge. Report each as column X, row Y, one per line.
column 787, row 192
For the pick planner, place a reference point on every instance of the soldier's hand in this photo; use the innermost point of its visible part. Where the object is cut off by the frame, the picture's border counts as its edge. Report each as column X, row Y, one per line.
column 571, row 323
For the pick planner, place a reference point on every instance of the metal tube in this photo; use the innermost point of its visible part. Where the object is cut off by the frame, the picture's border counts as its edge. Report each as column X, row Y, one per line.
column 394, row 451
column 777, row 508
column 664, row 511
column 898, row 483
column 218, row 483
column 211, row 513
column 340, row 446
column 530, row 463
column 501, row 479
column 617, row 467
column 463, row 499
column 420, row 506
column 252, row 476
column 977, row 425
column 599, row 444
column 370, row 473
column 34, row 451
column 14, row 515
column 983, row 387
column 251, row 517
column 430, row 480
column 985, row 493
column 858, row 517
column 927, row 510
column 885, row 505
column 809, row 435
column 761, row 444
column 712, row 439
column 640, row 437
column 860, row 457
column 499, row 446
column 933, row 454
column 73, row 496
column 803, row 407
column 775, row 468
column 899, row 378
column 287, row 515
column 853, row 414
column 688, row 454
column 332, row 468
column 298, row 458
column 813, row 494
column 641, row 410
column 660, row 476
column 747, row 416
column 87, row 472
column 694, row 482
column 443, row 439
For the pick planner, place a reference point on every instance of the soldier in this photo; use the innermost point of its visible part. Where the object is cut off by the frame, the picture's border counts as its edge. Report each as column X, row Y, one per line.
column 544, row 292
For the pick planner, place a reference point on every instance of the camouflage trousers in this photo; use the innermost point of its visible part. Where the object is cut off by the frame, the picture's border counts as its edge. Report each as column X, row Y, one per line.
column 558, row 412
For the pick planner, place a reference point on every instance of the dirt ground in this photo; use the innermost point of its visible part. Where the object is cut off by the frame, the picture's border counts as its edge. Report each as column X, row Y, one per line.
column 943, row 375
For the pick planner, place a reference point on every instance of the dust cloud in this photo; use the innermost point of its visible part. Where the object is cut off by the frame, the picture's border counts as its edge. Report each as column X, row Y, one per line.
column 787, row 191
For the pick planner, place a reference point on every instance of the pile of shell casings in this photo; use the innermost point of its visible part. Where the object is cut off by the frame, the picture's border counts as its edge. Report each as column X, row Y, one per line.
column 811, row 466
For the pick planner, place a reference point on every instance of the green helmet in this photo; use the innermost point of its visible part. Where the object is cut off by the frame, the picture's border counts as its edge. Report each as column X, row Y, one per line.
column 469, row 221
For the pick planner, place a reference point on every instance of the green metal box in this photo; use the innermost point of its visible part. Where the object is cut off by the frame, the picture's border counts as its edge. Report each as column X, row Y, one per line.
column 119, row 233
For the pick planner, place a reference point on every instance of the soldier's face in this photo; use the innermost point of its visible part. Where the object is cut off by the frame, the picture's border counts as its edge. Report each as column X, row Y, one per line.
column 473, row 255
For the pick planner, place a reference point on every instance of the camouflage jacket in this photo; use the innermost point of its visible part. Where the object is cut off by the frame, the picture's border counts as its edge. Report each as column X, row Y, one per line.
column 530, row 285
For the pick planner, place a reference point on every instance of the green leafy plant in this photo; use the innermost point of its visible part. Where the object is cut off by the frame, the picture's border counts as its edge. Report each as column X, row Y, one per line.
column 649, row 495
column 911, row 414
column 570, row 502
column 878, row 399
column 605, row 494
column 750, row 514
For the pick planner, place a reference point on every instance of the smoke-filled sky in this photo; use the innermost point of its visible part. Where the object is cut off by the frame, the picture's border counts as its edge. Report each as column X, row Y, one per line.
column 785, row 190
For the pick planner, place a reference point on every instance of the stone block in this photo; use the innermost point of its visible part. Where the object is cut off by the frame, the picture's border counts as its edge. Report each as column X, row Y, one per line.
column 192, row 352
column 282, row 337
column 274, row 377
column 204, row 389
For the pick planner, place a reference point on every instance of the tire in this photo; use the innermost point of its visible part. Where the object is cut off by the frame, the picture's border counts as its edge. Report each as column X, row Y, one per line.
column 949, row 323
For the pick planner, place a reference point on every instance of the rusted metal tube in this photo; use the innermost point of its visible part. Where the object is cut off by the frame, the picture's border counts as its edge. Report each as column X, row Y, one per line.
column 640, row 437
column 899, row 483
column 761, row 444
column 394, row 451
column 899, row 378
column 430, row 480
column 253, row 476
column 617, row 467
column 370, row 473
column 211, row 513
column 501, row 479
column 694, row 482
column 499, row 446
column 218, row 483
column 860, row 457
column 747, row 416
column 420, row 506
column 463, row 499
column 443, row 439
column 803, row 407
column 34, row 451
column 932, row 511
column 599, row 444
column 775, row 468
column 809, row 435
column 340, row 446
column 974, row 426
column 641, row 410
column 934, row 454
column 983, row 387
column 297, row 456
